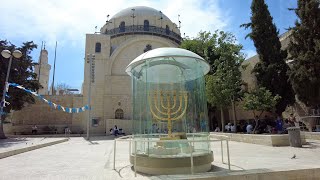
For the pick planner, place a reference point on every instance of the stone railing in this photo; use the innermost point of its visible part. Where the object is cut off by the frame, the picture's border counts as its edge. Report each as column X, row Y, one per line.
column 140, row 29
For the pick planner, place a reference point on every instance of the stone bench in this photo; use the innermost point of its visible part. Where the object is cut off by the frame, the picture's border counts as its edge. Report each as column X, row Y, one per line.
column 263, row 139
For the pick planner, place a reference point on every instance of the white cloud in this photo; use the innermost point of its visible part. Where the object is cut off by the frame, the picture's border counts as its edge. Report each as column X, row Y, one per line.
column 69, row 21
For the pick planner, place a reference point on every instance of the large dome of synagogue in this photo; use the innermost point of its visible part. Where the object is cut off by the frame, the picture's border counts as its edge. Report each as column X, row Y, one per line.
column 141, row 20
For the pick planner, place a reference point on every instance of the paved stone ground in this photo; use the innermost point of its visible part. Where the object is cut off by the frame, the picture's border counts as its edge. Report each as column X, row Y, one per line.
column 22, row 142
column 81, row 159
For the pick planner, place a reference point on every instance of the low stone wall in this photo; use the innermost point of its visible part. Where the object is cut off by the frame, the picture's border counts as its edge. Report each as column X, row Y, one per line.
column 30, row 148
column 312, row 135
column 255, row 174
column 41, row 129
column 263, row 139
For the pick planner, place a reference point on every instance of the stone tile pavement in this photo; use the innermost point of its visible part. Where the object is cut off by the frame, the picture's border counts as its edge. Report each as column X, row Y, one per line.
column 82, row 159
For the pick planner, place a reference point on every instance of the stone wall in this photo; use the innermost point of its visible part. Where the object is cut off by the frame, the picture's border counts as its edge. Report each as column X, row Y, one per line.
column 43, row 116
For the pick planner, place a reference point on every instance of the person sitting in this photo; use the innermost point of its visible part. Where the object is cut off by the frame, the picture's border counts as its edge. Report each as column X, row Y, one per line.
column 227, row 127
column 249, row 128
column 34, row 129
column 67, row 130
column 233, row 128
column 279, row 125
column 115, row 130
column 111, row 131
column 217, row 129
column 285, row 125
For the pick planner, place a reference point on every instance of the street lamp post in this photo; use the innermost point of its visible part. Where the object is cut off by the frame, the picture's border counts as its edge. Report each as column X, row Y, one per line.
column 7, row 54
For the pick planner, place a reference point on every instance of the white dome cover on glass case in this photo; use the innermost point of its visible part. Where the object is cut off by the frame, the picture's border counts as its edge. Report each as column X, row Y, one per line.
column 168, row 58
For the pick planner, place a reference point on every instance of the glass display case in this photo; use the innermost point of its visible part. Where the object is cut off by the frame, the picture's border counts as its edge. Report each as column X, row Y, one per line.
column 169, row 108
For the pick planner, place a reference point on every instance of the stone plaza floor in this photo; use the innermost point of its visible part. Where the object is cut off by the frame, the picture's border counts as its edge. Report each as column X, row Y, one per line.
column 82, row 159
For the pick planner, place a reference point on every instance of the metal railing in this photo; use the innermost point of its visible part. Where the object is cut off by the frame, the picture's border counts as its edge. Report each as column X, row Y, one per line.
column 140, row 29
column 130, row 139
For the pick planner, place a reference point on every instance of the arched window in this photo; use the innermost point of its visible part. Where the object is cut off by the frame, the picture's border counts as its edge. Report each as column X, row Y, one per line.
column 146, row 25
column 167, row 30
column 118, row 114
column 122, row 26
column 98, row 47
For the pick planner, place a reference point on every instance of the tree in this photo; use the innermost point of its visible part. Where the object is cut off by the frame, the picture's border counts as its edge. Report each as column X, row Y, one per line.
column 223, row 84
column 205, row 46
column 271, row 71
column 304, row 50
column 260, row 100
column 63, row 88
column 21, row 73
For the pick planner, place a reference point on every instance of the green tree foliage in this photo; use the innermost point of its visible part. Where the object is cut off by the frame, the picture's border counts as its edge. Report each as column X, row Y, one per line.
column 223, row 83
column 271, row 71
column 304, row 50
column 21, row 73
column 260, row 100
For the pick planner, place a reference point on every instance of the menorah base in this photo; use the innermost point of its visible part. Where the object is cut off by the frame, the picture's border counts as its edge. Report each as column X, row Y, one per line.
column 172, row 165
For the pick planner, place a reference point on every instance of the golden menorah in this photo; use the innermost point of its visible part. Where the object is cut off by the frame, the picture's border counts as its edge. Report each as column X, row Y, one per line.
column 167, row 109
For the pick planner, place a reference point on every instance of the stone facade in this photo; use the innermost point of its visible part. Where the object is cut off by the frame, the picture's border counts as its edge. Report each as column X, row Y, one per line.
column 111, row 89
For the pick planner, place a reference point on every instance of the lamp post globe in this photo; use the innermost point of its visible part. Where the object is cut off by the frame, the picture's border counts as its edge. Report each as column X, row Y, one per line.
column 17, row 54
column 6, row 54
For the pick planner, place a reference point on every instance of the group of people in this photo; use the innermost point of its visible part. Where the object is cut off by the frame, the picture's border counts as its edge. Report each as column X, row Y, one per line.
column 115, row 131
column 259, row 126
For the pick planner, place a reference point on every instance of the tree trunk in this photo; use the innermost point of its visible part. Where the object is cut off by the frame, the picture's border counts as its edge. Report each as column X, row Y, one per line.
column 234, row 115
column 2, row 135
column 222, row 119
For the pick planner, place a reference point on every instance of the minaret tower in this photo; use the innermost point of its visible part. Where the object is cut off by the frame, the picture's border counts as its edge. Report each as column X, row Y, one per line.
column 43, row 71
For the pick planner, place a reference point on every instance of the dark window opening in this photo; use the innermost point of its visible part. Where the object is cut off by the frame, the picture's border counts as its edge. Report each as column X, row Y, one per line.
column 95, row 122
column 98, row 47
column 122, row 26
column 146, row 25
column 167, row 30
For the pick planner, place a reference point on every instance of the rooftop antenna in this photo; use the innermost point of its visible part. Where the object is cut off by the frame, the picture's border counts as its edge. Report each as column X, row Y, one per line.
column 179, row 22
column 95, row 29
column 54, row 70
column 107, row 22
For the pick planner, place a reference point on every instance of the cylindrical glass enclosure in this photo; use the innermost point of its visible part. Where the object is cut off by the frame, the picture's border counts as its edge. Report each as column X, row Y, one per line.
column 169, row 103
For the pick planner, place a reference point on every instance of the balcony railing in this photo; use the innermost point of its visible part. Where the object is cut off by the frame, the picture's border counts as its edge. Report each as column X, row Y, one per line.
column 140, row 29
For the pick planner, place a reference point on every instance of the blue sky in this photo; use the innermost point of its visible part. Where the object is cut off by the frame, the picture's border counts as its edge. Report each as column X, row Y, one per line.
column 68, row 21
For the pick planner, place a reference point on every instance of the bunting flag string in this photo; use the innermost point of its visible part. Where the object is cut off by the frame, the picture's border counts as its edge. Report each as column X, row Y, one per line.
column 50, row 103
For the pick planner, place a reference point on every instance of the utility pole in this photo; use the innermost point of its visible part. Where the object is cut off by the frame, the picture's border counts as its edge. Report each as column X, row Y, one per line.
column 90, row 60
column 54, row 70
